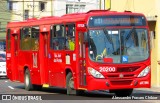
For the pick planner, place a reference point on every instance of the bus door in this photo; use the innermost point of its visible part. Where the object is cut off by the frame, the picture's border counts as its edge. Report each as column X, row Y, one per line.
column 81, row 28
column 82, row 61
column 57, row 56
column 35, row 54
column 43, row 53
column 14, row 53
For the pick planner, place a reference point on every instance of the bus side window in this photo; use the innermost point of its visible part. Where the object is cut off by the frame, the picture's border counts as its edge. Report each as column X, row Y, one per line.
column 25, row 38
column 8, row 39
column 57, row 37
column 70, row 36
column 35, row 38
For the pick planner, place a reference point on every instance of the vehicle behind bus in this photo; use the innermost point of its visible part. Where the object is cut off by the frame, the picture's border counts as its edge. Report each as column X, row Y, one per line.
column 3, row 64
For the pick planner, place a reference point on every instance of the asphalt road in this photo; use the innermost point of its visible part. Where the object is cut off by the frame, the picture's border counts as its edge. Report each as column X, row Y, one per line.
column 17, row 92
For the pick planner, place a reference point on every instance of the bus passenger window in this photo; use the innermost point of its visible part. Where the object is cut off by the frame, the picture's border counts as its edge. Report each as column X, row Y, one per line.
column 56, row 44
column 8, row 39
column 70, row 36
column 57, row 41
column 25, row 38
column 36, row 45
column 35, row 38
column 71, row 43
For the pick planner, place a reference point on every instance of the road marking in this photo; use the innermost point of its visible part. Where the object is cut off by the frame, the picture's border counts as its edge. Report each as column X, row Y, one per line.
column 10, row 87
column 6, row 81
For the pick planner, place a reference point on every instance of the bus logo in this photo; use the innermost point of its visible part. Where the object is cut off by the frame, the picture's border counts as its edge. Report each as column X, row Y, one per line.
column 6, row 97
column 125, row 59
column 121, row 75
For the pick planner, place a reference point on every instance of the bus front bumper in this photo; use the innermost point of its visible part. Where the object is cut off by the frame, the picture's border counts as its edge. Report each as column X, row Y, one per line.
column 117, row 83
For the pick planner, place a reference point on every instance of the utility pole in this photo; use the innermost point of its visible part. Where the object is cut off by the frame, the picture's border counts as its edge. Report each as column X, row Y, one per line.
column 51, row 7
column 33, row 8
column 23, row 10
column 79, row 5
column 105, row 4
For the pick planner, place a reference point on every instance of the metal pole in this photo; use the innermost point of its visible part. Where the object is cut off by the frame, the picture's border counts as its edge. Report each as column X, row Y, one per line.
column 79, row 7
column 104, row 5
column 33, row 8
column 23, row 10
column 51, row 7
column 100, row 3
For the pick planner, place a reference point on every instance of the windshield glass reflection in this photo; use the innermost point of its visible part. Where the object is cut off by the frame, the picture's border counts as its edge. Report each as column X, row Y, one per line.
column 118, row 46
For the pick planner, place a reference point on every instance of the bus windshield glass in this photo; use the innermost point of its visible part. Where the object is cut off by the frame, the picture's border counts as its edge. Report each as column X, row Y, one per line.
column 118, row 20
column 125, row 45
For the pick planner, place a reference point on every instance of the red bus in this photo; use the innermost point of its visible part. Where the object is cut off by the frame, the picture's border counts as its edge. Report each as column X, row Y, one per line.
column 97, row 50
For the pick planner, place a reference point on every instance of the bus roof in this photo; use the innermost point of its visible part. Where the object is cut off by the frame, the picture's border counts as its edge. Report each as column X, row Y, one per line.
column 67, row 18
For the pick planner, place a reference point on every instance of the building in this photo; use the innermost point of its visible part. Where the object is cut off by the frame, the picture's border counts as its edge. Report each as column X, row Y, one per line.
column 4, row 18
column 24, row 9
column 151, row 10
column 19, row 10
column 73, row 6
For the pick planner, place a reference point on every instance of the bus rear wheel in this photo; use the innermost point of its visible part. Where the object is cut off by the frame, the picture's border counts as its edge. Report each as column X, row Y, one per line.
column 123, row 92
column 28, row 84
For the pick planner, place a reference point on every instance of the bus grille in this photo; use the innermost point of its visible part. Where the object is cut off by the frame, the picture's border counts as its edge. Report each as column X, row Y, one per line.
column 124, row 82
column 127, row 69
column 117, row 76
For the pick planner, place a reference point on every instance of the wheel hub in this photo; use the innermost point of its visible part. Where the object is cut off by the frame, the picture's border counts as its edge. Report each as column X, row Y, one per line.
column 27, row 80
column 71, row 83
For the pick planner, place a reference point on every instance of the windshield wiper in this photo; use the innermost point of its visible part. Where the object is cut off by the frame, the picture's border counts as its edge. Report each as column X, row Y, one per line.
column 109, row 39
column 129, row 34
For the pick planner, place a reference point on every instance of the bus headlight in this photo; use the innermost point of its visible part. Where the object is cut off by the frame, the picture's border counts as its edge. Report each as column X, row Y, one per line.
column 95, row 73
column 144, row 72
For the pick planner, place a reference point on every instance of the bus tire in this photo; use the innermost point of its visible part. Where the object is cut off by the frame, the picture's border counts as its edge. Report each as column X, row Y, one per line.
column 28, row 84
column 70, row 84
column 123, row 92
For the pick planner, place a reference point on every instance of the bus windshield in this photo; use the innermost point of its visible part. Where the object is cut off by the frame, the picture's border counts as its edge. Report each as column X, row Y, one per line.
column 118, row 45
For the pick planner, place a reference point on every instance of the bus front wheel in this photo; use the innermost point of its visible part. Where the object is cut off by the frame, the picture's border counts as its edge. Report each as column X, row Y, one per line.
column 70, row 86
column 28, row 84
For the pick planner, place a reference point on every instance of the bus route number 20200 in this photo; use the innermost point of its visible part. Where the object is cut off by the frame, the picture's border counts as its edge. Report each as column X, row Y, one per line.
column 107, row 69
